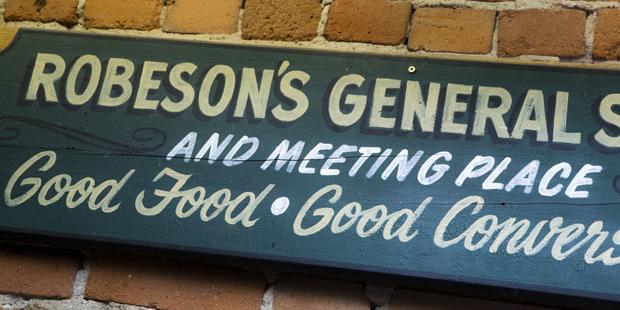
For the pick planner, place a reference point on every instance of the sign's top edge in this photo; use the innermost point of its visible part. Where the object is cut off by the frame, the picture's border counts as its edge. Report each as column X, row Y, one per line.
column 9, row 36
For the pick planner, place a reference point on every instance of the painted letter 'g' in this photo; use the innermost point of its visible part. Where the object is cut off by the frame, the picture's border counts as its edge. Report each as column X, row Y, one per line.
column 34, row 183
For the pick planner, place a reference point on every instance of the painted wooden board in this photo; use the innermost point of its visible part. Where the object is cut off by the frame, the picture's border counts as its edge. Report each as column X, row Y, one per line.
column 488, row 173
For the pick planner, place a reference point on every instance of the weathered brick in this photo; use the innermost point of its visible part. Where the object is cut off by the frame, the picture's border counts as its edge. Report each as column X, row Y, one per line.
column 202, row 16
column 288, row 20
column 61, row 11
column 452, row 30
column 36, row 274
column 368, row 21
column 606, row 35
column 168, row 285
column 410, row 300
column 122, row 14
column 297, row 292
column 542, row 32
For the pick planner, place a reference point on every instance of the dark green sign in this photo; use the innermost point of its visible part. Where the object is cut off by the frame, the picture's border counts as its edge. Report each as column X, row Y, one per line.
column 487, row 173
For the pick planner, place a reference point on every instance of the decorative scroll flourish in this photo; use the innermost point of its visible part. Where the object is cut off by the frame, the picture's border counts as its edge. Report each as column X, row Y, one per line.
column 148, row 138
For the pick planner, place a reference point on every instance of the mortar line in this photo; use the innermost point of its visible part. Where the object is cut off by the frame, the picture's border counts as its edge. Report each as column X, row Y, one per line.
column 12, row 301
column 9, row 301
column 2, row 9
column 516, row 5
column 81, row 280
column 162, row 13
column 409, row 26
column 589, row 34
column 495, row 40
column 268, row 295
column 239, row 32
column 80, row 14
column 320, row 28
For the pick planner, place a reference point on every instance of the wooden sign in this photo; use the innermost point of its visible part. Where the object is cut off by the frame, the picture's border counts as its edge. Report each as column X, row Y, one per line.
column 488, row 173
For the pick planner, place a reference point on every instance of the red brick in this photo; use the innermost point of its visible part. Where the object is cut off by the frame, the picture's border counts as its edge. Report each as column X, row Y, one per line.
column 35, row 274
column 368, row 21
column 452, row 30
column 287, row 20
column 169, row 285
column 606, row 35
column 122, row 14
column 297, row 292
column 202, row 16
column 45, row 11
column 542, row 32
column 410, row 300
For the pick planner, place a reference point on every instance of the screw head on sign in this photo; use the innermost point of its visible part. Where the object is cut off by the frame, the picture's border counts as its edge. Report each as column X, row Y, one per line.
column 411, row 69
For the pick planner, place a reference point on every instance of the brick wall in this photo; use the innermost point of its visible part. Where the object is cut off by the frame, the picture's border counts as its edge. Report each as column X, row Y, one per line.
column 532, row 30
column 548, row 30
column 50, row 279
